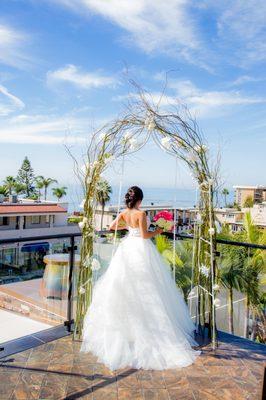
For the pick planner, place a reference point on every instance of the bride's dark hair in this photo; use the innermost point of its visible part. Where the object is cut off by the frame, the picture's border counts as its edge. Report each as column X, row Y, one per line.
column 132, row 196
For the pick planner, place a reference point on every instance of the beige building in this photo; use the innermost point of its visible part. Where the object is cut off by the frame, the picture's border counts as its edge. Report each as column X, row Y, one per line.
column 257, row 193
column 185, row 216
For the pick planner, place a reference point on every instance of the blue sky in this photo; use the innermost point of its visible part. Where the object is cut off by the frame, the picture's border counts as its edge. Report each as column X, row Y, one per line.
column 62, row 68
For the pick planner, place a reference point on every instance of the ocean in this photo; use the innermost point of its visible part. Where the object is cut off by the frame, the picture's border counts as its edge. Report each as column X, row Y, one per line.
column 169, row 196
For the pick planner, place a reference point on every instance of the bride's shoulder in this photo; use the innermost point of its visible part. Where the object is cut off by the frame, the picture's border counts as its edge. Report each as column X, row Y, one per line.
column 141, row 213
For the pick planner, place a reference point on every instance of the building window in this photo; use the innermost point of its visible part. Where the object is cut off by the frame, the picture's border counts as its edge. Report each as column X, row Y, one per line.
column 4, row 221
column 36, row 219
column 47, row 219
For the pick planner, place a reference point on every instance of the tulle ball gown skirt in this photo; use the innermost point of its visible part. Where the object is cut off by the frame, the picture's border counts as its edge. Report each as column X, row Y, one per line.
column 138, row 318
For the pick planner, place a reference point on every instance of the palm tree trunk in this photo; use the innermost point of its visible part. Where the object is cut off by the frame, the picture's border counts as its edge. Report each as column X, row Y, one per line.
column 230, row 310
column 247, row 318
column 254, row 326
column 102, row 214
column 45, row 192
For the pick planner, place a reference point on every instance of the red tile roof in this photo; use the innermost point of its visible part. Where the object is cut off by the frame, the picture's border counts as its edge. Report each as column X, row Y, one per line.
column 31, row 209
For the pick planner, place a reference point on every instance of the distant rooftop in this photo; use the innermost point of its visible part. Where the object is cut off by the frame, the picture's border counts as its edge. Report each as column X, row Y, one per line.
column 250, row 187
column 113, row 207
column 26, row 208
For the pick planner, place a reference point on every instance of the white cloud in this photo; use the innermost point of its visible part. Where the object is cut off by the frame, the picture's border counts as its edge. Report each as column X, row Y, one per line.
column 42, row 129
column 83, row 80
column 205, row 103
column 241, row 80
column 243, row 23
column 9, row 103
column 203, row 32
column 154, row 26
column 12, row 44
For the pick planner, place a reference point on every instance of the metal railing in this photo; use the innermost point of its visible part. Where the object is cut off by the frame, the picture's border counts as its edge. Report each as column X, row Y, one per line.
column 72, row 248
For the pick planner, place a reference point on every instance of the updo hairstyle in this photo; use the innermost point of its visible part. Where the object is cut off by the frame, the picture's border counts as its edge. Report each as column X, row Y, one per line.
column 133, row 196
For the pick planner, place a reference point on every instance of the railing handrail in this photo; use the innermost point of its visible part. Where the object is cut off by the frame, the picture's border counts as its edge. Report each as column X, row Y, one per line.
column 168, row 234
column 221, row 241
column 40, row 237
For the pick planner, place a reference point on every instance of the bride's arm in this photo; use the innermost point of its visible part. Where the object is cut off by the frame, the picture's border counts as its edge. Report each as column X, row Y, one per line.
column 118, row 223
column 144, row 229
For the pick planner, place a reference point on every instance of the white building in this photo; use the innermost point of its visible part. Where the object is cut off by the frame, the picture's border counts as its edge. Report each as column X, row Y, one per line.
column 29, row 219
column 184, row 216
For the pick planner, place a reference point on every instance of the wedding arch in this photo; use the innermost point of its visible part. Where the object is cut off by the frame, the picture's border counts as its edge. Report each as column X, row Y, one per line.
column 174, row 130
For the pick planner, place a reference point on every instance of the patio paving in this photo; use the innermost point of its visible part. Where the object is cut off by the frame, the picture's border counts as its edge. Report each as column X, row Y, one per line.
column 57, row 370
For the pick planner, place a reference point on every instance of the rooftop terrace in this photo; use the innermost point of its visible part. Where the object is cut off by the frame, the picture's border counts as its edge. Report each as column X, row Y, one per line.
column 57, row 370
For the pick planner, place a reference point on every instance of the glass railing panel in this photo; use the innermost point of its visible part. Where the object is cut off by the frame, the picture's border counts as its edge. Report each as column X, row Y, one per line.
column 33, row 286
column 104, row 247
column 230, row 259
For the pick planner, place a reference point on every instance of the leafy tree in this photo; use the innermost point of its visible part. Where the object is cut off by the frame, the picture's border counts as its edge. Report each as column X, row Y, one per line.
column 243, row 269
column 103, row 196
column 225, row 193
column 3, row 190
column 39, row 186
column 231, row 272
column 34, row 196
column 19, row 188
column 10, row 183
column 26, row 177
column 43, row 182
column 60, row 192
column 182, row 260
column 249, row 202
column 255, row 269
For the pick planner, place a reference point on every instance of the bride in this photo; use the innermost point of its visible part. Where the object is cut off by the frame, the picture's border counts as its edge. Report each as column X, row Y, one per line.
column 138, row 318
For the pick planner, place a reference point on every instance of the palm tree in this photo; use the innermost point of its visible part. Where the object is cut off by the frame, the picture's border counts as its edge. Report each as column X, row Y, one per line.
column 225, row 193
column 43, row 182
column 103, row 196
column 39, row 186
column 249, row 202
column 10, row 183
column 255, row 267
column 59, row 192
column 19, row 188
column 3, row 190
column 232, row 274
column 232, row 278
column 182, row 259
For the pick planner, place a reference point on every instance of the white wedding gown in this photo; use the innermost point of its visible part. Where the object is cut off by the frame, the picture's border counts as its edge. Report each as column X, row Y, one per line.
column 138, row 318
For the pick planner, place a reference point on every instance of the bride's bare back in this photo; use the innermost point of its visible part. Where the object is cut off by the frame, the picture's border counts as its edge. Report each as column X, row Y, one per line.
column 134, row 218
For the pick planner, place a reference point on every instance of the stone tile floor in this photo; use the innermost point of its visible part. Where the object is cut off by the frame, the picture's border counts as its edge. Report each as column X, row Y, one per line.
column 57, row 370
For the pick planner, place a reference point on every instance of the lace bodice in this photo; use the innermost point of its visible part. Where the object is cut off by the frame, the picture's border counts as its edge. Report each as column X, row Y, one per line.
column 133, row 231
column 136, row 231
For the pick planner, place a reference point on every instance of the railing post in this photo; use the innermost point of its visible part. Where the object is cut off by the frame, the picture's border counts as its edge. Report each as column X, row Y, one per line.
column 71, row 250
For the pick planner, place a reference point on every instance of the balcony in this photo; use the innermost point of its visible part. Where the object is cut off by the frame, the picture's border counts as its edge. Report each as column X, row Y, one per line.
column 57, row 370
column 40, row 360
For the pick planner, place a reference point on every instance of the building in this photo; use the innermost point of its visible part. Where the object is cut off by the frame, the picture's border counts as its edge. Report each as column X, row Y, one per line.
column 185, row 216
column 258, row 214
column 257, row 193
column 27, row 219
column 230, row 216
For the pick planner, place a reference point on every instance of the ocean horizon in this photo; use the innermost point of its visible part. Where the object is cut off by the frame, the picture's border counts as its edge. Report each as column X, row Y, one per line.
column 157, row 195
